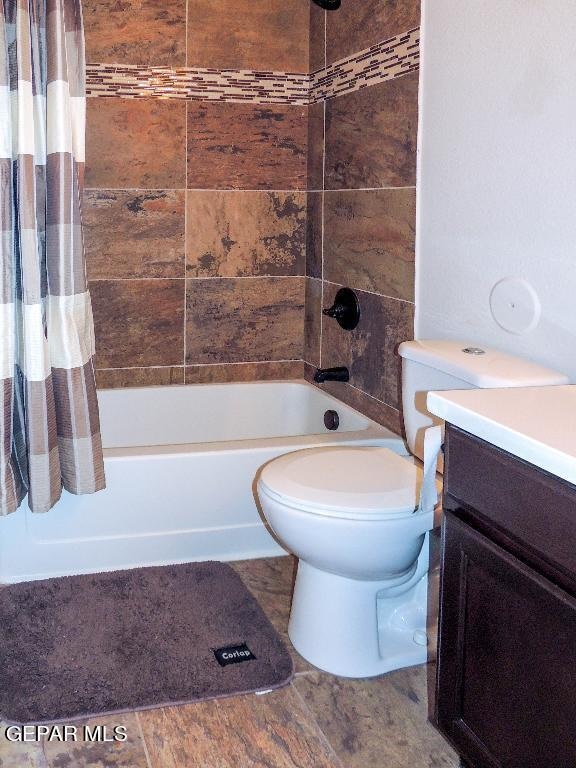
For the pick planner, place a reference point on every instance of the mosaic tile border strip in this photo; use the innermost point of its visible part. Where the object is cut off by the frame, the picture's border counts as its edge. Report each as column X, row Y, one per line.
column 387, row 60
column 133, row 81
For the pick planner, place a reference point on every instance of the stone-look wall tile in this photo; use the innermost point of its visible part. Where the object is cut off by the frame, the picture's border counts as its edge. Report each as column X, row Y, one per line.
column 248, row 34
column 246, row 146
column 135, row 143
column 369, row 351
column 312, row 321
column 317, row 59
column 135, row 32
column 356, row 26
column 314, row 226
column 369, row 240
column 133, row 233
column 116, row 378
column 378, row 722
column 244, row 319
column 309, row 371
column 240, row 234
column 138, row 323
column 272, row 730
column 230, row 372
column 371, row 136
column 316, row 146
column 112, row 754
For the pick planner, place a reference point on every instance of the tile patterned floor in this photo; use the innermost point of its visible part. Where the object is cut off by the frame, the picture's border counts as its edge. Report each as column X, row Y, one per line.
column 319, row 721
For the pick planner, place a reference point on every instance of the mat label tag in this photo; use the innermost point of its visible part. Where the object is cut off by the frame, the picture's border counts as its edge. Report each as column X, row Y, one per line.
column 233, row 654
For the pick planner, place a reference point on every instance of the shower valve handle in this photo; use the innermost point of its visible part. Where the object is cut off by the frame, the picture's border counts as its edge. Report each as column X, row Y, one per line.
column 336, row 310
column 346, row 309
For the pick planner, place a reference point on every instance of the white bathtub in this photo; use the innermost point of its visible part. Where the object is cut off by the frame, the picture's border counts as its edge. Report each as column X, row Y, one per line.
column 180, row 469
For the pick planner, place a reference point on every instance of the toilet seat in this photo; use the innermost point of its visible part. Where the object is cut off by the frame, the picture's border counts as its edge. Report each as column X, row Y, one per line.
column 361, row 483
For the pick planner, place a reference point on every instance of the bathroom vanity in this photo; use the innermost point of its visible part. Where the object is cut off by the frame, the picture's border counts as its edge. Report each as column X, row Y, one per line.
column 506, row 679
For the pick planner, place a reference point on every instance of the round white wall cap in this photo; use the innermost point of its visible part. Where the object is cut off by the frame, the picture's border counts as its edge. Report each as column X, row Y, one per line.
column 515, row 306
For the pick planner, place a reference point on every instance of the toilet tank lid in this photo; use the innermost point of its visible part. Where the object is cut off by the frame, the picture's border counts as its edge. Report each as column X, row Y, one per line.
column 478, row 365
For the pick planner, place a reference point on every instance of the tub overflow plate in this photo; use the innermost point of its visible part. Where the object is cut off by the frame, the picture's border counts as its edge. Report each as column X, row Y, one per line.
column 331, row 420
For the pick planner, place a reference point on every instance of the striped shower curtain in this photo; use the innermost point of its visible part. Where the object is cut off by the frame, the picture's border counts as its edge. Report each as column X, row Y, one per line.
column 49, row 427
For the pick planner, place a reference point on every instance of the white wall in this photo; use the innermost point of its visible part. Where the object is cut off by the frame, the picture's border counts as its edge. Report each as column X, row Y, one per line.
column 497, row 172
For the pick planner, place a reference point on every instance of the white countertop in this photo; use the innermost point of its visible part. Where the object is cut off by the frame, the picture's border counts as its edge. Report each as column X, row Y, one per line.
column 537, row 424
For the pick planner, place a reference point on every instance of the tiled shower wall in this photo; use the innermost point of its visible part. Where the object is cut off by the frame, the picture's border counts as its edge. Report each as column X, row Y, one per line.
column 195, row 211
column 361, row 207
column 216, row 230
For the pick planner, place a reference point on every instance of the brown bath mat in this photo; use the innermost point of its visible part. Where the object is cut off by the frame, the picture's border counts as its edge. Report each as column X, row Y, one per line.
column 84, row 645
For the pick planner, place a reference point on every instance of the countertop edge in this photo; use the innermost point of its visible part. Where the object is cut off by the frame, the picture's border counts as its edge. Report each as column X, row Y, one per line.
column 524, row 447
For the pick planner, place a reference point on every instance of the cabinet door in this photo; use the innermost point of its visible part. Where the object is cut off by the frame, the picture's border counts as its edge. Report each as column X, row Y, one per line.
column 506, row 688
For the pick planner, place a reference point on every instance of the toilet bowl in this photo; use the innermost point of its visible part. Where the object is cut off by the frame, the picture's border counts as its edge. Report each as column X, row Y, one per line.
column 359, row 604
column 352, row 517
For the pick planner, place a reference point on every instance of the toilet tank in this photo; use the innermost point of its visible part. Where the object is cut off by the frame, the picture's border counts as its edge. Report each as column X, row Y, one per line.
column 435, row 365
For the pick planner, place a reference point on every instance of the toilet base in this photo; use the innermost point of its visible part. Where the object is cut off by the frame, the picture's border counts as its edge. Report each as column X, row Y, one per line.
column 341, row 626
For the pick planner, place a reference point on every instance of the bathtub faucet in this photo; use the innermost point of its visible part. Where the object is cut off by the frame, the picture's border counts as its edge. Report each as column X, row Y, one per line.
column 331, row 374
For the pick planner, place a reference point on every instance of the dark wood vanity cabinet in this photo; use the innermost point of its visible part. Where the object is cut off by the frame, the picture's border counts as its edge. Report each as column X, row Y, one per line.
column 506, row 679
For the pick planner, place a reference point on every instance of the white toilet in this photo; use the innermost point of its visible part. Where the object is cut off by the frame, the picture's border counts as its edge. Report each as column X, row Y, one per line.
column 351, row 515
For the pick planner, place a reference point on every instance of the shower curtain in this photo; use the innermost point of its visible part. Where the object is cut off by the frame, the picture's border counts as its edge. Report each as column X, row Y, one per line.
column 49, row 426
